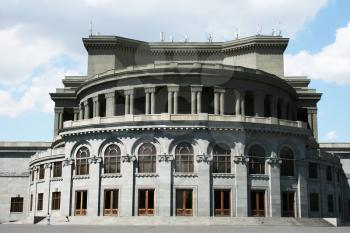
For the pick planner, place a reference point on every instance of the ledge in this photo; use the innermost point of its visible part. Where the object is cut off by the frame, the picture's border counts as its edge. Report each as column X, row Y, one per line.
column 111, row 175
column 147, row 175
column 54, row 179
column 224, row 175
column 185, row 174
column 81, row 177
column 259, row 177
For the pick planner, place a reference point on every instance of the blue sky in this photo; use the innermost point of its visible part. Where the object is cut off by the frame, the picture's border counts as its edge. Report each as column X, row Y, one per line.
column 40, row 43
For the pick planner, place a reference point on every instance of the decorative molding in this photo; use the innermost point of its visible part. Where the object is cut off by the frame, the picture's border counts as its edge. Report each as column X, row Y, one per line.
column 54, row 179
column 241, row 159
column 224, row 175
column 40, row 181
column 128, row 158
column 204, row 158
column 14, row 174
column 94, row 160
column 185, row 174
column 67, row 162
column 274, row 161
column 165, row 158
column 48, row 165
column 259, row 177
column 147, row 175
column 81, row 177
column 111, row 175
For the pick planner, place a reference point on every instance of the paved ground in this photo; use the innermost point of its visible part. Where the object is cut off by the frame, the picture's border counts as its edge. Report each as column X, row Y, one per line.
column 17, row 228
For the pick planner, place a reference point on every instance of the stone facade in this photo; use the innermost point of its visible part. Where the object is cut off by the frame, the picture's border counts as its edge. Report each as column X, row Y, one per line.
column 183, row 129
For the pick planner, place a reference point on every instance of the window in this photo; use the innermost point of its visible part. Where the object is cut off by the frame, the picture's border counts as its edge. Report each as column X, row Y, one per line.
column 288, row 204
column 16, row 204
column 330, row 203
column 221, row 159
column 82, row 164
column 31, row 203
column 287, row 166
column 80, row 202
column 184, row 158
column 56, row 200
column 112, row 159
column 256, row 160
column 222, row 202
column 329, row 173
column 313, row 170
column 41, row 172
column 147, row 158
column 111, row 202
column 314, row 202
column 146, row 202
column 57, row 169
column 33, row 174
column 40, row 201
column 184, row 202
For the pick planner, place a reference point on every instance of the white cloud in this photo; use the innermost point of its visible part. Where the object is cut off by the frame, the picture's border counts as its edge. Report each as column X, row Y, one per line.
column 331, row 135
column 331, row 64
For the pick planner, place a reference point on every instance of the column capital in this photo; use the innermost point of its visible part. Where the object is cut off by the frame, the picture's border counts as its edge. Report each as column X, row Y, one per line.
column 129, row 91
column 85, row 103
column 67, row 162
column 110, row 94
column 59, row 109
column 94, row 160
column 48, row 165
column 241, row 159
column 195, row 88
column 150, row 89
column 219, row 89
column 165, row 158
column 128, row 158
column 76, row 109
column 173, row 88
column 95, row 98
column 204, row 158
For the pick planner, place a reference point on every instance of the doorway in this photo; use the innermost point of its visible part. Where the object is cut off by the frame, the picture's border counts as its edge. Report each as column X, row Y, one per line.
column 146, row 202
column 222, row 203
column 111, row 202
column 288, row 204
column 257, row 203
column 184, row 202
column 80, row 203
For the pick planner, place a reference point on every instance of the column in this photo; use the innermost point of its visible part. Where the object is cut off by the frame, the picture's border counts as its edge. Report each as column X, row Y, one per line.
column 153, row 103
column 274, row 184
column 222, row 103
column 96, row 106
column 193, row 101
column 147, row 104
column 243, row 103
column 126, row 103
column 94, row 186
column 66, row 188
column 241, row 171
column 86, row 109
column 58, row 119
column 76, row 113
column 312, row 120
column 238, row 102
column 199, row 101
column 283, row 109
column 216, row 103
column 127, row 194
column 81, row 111
column 110, row 104
column 302, row 195
column 131, row 111
column 176, row 92
column 170, row 100
column 259, row 101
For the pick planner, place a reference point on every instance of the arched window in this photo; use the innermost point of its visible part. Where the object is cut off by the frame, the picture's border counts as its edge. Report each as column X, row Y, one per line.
column 112, row 159
column 147, row 158
column 184, row 158
column 221, row 159
column 82, row 163
column 256, row 160
column 287, row 166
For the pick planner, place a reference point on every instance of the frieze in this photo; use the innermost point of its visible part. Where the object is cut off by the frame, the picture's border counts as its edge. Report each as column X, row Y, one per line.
column 224, row 175
column 204, row 158
column 176, row 174
column 259, row 177
column 16, row 174
column 165, row 158
column 147, row 175
column 81, row 177
column 128, row 158
column 95, row 159
column 111, row 175
column 241, row 159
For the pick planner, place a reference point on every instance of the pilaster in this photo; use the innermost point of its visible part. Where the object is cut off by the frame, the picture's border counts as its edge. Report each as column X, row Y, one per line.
column 274, row 185
column 127, row 192
column 241, row 163
column 66, row 197
column 204, row 184
column 165, row 184
column 94, row 186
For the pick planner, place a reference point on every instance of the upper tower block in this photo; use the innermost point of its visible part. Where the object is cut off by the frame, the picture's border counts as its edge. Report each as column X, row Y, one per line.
column 256, row 52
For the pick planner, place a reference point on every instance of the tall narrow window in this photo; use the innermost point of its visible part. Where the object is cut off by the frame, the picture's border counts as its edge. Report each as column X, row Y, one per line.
column 222, row 202
column 146, row 202
column 329, row 173
column 256, row 160
column 33, row 175
column 40, row 201
column 257, row 203
column 147, row 158
column 41, row 172
column 82, row 164
column 111, row 202
column 57, row 169
column 287, row 166
column 16, row 204
column 80, row 202
column 221, row 159
column 31, row 203
column 184, row 202
column 313, row 170
column 112, row 159
column 314, row 203
column 330, row 203
column 288, row 204
column 184, row 158
column 56, row 201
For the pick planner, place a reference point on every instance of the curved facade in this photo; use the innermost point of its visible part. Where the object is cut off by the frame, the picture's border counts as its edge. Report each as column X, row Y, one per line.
column 185, row 129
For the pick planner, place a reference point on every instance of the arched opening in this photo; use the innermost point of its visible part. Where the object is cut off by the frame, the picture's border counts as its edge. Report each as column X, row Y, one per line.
column 279, row 108
column 102, row 105
column 249, row 103
column 147, row 158
column 207, row 100
column 81, row 161
column 112, row 159
column 139, row 101
column 267, row 106
column 256, row 160
column 221, row 158
column 184, row 157
column 287, row 166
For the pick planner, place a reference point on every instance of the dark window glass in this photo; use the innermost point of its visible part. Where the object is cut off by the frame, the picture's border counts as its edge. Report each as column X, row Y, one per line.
column 147, row 158
column 31, row 202
column 330, row 203
column 314, row 204
column 40, row 201
column 80, row 202
column 111, row 202
column 146, row 202
column 41, row 172
column 313, row 170
column 221, row 159
column 222, row 203
column 184, row 158
column 56, row 200
column 57, row 169
column 82, row 163
column 287, row 166
column 112, row 159
column 256, row 160
column 16, row 204
column 329, row 173
column 184, row 202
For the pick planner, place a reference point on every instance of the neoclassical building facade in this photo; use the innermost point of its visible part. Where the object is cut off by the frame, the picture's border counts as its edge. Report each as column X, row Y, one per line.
column 187, row 129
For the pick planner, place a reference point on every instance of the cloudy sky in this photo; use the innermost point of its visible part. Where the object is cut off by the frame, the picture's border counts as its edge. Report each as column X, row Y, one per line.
column 40, row 43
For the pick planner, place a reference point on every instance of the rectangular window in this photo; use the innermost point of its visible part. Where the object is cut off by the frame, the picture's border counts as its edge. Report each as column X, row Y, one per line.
column 40, row 201
column 314, row 204
column 56, row 200
column 111, row 202
column 330, row 203
column 41, row 172
column 184, row 202
column 146, row 202
column 80, row 203
column 16, row 204
column 31, row 203
column 329, row 173
column 33, row 174
column 288, row 204
column 57, row 169
column 222, row 202
column 313, row 170
column 222, row 164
